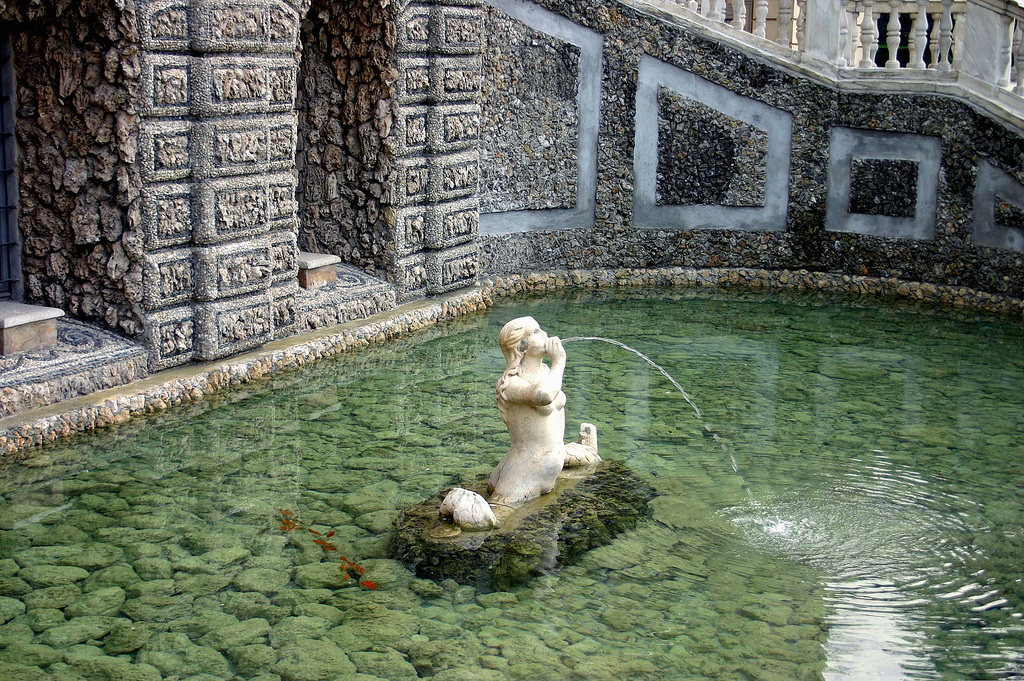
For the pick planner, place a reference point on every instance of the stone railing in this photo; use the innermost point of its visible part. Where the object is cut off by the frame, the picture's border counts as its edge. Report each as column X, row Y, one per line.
column 977, row 45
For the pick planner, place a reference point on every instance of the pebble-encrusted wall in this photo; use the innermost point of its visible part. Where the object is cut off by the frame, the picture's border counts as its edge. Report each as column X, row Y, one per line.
column 345, row 154
column 529, row 118
column 77, row 109
column 961, row 245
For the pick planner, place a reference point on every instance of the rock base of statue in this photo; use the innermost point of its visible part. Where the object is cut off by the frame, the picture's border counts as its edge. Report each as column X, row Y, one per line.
column 587, row 508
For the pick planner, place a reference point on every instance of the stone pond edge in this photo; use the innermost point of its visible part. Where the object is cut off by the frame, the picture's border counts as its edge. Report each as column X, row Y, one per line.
column 22, row 432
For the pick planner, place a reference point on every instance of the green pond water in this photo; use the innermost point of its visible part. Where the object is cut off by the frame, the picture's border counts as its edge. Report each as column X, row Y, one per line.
column 848, row 507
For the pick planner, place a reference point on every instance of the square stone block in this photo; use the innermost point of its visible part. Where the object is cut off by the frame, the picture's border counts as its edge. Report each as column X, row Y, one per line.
column 164, row 25
column 240, row 147
column 454, row 176
column 414, row 29
column 284, row 306
column 169, row 336
column 243, row 26
column 456, row 30
column 283, row 256
column 411, row 124
column 227, row 327
column 413, row 186
column 24, row 328
column 165, row 150
column 452, row 268
column 166, row 84
column 451, row 223
column 168, row 278
column 167, row 215
column 411, row 277
column 227, row 270
column 229, row 209
column 453, row 127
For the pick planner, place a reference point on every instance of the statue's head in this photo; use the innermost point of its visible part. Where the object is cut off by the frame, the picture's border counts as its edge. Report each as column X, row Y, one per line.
column 512, row 339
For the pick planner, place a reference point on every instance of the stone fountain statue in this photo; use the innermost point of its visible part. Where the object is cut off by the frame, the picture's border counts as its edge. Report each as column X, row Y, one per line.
column 532, row 405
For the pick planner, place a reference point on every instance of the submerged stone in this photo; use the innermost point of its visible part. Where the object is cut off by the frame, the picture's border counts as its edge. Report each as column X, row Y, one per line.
column 551, row 531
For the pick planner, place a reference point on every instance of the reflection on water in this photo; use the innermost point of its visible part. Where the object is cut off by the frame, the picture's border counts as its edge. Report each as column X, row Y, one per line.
column 864, row 520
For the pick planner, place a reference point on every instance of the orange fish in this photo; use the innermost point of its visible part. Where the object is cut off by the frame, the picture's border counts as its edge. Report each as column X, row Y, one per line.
column 369, row 585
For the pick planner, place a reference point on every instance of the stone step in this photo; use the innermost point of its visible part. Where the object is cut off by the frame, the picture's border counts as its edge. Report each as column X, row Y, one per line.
column 317, row 269
column 24, row 328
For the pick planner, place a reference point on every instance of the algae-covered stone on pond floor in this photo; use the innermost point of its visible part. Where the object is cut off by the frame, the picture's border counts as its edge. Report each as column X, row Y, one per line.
column 42, row 576
column 11, row 608
column 115, row 669
column 30, row 654
column 251, row 660
column 313, row 660
column 263, row 580
column 106, row 601
column 127, row 637
column 292, row 629
column 236, row 635
column 386, row 665
column 176, row 654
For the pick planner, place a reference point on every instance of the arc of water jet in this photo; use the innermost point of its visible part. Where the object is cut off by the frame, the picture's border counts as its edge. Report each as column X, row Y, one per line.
column 686, row 396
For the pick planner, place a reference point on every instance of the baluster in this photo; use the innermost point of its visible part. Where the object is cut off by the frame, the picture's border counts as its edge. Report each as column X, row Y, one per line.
column 933, row 41
column 868, row 35
column 1018, row 57
column 739, row 14
column 844, row 37
column 693, row 6
column 892, row 35
column 705, row 8
column 945, row 34
column 760, row 17
column 852, row 13
column 717, row 10
column 785, row 22
column 957, row 40
column 1005, row 52
column 801, row 20
column 920, row 34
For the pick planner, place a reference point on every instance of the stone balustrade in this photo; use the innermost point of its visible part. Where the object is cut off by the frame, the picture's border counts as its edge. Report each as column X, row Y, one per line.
column 976, row 45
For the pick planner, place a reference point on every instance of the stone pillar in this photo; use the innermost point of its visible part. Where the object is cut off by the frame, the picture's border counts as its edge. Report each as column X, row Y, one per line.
column 986, row 35
column 438, row 131
column 218, row 149
column 821, row 29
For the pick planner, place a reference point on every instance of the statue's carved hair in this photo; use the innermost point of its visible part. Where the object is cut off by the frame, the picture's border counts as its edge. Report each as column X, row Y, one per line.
column 512, row 342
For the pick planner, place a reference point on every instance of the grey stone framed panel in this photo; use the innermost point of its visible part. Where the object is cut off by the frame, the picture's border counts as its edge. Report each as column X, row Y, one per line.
column 165, row 150
column 847, row 145
column 455, row 78
column 453, row 127
column 413, row 83
column 243, row 26
column 170, row 337
column 227, row 327
column 168, row 278
column 164, row 26
column 413, row 181
column 778, row 125
column 998, row 208
column 588, row 98
column 452, row 223
column 228, row 270
column 166, row 84
column 167, row 215
column 452, row 268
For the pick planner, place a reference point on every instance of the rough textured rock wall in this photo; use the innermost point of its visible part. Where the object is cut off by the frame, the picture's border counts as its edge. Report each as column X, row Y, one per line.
column 345, row 153
column 77, row 72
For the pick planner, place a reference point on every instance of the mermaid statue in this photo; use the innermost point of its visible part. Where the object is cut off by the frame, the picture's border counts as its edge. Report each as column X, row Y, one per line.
column 532, row 405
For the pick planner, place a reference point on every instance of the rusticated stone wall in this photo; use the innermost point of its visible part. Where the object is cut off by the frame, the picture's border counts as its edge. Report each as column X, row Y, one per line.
column 217, row 157
column 346, row 152
column 77, row 69
column 437, row 140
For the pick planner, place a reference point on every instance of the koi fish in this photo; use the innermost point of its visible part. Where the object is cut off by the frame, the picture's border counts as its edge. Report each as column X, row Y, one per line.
column 368, row 584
